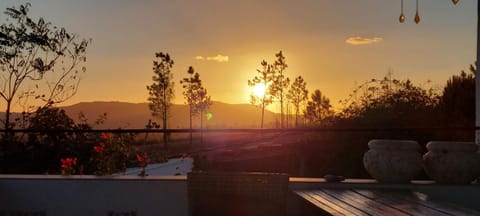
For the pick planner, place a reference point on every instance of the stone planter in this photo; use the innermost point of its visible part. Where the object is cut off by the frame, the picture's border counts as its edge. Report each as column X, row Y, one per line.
column 452, row 162
column 393, row 161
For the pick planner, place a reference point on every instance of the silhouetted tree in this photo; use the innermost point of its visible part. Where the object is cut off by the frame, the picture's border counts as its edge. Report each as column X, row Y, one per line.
column 192, row 86
column 390, row 102
column 30, row 52
column 279, row 83
column 204, row 103
column 161, row 90
column 264, row 78
column 298, row 94
column 41, row 152
column 457, row 103
column 319, row 108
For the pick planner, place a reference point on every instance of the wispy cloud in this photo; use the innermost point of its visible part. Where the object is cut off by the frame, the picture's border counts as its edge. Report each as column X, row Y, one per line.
column 218, row 58
column 363, row 40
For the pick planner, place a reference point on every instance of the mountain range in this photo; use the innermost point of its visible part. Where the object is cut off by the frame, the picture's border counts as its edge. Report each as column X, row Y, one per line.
column 136, row 115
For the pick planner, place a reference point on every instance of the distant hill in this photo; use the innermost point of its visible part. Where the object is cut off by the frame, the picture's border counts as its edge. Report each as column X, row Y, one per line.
column 136, row 115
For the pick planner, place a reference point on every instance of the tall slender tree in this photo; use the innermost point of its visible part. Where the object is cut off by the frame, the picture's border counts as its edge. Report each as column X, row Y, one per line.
column 280, row 83
column 192, row 86
column 204, row 103
column 298, row 94
column 161, row 90
column 30, row 52
column 264, row 78
column 318, row 108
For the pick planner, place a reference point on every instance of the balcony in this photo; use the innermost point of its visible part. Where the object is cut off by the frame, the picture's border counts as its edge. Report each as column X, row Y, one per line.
column 169, row 195
column 165, row 194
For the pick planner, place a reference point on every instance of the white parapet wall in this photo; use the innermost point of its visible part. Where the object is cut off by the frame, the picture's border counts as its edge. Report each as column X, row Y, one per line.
column 92, row 195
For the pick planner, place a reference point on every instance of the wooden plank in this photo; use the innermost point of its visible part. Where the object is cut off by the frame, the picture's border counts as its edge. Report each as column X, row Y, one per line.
column 328, row 201
column 410, row 206
column 422, row 199
column 371, row 206
column 307, row 196
column 378, row 203
column 337, row 203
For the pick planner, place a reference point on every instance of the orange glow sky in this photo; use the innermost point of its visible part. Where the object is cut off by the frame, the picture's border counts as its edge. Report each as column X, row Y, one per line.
column 313, row 34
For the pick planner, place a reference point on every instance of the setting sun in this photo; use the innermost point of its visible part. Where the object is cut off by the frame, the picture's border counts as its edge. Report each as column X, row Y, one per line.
column 259, row 90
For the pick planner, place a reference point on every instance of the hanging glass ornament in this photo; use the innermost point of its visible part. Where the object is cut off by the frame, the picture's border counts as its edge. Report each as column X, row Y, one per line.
column 401, row 18
column 417, row 16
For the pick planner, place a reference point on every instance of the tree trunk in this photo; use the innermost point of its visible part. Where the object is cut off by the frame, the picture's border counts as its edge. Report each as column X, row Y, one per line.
column 164, row 119
column 263, row 111
column 201, row 127
column 7, row 125
column 7, row 116
column 296, row 116
column 287, row 117
column 191, row 134
column 6, row 137
column 281, row 109
column 165, row 134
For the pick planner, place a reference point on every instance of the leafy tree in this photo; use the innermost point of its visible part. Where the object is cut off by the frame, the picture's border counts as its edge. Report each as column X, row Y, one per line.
column 33, row 52
column 318, row 108
column 192, row 86
column 48, row 146
column 390, row 102
column 41, row 151
column 264, row 78
column 298, row 94
column 161, row 90
column 280, row 83
column 457, row 103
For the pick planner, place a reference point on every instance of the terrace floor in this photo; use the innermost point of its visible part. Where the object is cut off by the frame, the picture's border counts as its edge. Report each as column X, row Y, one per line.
column 368, row 197
column 379, row 202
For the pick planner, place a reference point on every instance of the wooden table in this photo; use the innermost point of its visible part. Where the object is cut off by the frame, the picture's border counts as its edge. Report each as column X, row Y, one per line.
column 379, row 202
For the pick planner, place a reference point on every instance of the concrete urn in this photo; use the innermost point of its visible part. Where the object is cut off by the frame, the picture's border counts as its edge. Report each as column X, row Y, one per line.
column 452, row 162
column 393, row 161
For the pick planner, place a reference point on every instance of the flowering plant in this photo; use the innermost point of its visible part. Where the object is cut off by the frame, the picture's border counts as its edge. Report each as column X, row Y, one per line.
column 100, row 148
column 68, row 165
column 111, row 153
column 143, row 161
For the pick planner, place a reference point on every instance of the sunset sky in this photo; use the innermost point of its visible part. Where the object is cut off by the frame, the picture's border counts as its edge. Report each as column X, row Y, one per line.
column 333, row 44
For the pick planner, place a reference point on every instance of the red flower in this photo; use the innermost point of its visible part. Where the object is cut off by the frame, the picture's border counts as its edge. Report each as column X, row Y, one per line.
column 143, row 160
column 64, row 163
column 99, row 148
column 67, row 165
column 105, row 136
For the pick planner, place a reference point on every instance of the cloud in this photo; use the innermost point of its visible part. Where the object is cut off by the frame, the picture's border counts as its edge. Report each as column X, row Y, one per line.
column 218, row 58
column 363, row 40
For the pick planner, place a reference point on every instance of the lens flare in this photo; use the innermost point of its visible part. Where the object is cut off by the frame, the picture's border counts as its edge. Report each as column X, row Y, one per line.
column 259, row 90
column 209, row 116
